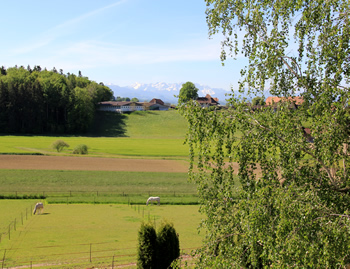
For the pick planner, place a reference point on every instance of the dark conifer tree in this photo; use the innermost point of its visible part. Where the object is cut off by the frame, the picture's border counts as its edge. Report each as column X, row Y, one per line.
column 3, row 70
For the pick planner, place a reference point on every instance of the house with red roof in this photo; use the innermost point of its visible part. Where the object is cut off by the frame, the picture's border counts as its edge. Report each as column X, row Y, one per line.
column 295, row 101
column 208, row 101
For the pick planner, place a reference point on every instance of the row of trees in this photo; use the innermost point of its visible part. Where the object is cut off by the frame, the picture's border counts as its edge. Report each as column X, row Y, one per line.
column 291, row 208
column 41, row 101
column 134, row 99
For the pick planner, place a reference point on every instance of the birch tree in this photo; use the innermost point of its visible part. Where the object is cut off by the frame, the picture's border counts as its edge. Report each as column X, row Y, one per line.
column 290, row 206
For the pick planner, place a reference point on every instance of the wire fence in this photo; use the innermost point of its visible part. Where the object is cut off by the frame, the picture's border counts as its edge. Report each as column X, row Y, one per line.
column 70, row 193
column 103, row 197
column 106, row 254
column 5, row 232
column 86, row 253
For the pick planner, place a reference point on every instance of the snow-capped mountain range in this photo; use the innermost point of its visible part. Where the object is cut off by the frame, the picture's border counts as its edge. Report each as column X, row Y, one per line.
column 164, row 91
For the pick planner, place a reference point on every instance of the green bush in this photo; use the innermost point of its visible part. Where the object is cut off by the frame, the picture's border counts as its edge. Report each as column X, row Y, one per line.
column 157, row 250
column 59, row 145
column 147, row 246
column 81, row 149
column 167, row 244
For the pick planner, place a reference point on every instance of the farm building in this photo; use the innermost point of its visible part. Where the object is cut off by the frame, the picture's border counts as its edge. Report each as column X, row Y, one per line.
column 129, row 106
column 207, row 101
column 296, row 101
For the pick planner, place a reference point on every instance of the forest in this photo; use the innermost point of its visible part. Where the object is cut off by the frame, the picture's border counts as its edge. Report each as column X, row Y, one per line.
column 36, row 101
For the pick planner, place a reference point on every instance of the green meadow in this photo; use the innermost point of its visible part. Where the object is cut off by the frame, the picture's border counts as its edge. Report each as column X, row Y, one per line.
column 62, row 186
column 140, row 134
column 97, row 146
column 81, row 236
column 92, row 218
column 12, row 210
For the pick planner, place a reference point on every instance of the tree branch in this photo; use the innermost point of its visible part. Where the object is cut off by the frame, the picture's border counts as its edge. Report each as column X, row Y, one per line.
column 258, row 124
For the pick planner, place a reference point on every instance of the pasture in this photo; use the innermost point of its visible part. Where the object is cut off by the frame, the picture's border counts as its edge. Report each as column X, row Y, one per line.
column 97, row 146
column 72, row 186
column 140, row 124
column 96, row 203
column 81, row 236
column 155, row 134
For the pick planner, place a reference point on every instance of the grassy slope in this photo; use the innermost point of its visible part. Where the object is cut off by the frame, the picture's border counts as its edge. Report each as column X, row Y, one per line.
column 140, row 124
column 149, row 133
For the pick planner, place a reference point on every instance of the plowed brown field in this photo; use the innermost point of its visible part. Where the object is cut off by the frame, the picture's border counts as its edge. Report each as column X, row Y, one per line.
column 90, row 163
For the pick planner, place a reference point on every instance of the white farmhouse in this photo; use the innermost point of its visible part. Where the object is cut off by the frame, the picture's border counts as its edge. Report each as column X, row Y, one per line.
column 129, row 106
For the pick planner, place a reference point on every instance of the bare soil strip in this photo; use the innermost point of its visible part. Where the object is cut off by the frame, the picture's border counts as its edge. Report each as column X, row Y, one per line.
column 90, row 164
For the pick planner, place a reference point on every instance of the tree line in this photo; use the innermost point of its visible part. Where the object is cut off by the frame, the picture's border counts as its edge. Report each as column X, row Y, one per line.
column 39, row 101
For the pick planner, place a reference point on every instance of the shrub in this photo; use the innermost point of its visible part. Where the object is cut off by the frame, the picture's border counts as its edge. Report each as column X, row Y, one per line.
column 59, row 145
column 81, row 149
column 168, row 245
column 157, row 250
column 147, row 245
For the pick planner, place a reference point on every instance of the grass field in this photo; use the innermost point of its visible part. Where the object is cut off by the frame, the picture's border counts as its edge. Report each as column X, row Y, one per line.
column 97, row 146
column 98, row 186
column 12, row 210
column 140, row 124
column 90, row 212
column 140, row 134
column 64, row 235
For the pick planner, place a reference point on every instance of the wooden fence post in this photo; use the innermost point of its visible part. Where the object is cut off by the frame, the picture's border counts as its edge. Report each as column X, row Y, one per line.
column 90, row 252
column 3, row 260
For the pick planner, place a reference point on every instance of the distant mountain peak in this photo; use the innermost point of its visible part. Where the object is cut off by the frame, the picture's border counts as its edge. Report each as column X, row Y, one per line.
column 136, row 85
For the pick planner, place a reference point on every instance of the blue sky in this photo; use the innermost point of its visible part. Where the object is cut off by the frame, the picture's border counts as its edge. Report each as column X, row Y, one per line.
column 119, row 42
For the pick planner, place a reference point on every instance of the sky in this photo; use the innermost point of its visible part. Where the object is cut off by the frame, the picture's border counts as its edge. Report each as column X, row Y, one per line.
column 116, row 41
